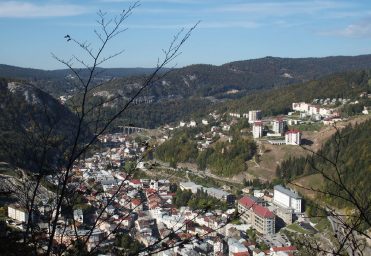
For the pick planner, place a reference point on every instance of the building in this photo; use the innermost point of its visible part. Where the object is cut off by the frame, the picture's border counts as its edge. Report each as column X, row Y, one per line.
column 78, row 215
column 278, row 126
column 287, row 198
column 257, row 130
column 192, row 123
column 254, row 115
column 282, row 251
column 236, row 248
column 260, row 217
column 285, row 214
column 17, row 213
column 220, row 194
column 300, row 106
column 190, row 186
column 293, row 137
column 205, row 122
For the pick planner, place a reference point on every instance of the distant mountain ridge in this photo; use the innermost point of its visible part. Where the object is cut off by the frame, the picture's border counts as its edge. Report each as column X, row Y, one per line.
column 186, row 91
column 236, row 79
column 40, row 74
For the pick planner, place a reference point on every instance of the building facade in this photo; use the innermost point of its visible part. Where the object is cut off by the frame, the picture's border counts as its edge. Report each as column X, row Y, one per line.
column 257, row 130
column 260, row 217
column 17, row 213
column 287, row 198
column 278, row 126
column 254, row 115
column 293, row 137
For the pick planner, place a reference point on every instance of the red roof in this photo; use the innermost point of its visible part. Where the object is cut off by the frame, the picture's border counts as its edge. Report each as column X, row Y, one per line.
column 241, row 253
column 136, row 201
column 283, row 249
column 137, row 182
column 257, row 208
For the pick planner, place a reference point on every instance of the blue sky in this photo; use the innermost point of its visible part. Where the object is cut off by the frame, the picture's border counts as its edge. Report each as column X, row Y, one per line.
column 229, row 30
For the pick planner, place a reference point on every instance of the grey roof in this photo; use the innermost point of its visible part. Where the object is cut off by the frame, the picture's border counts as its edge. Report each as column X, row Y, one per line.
column 190, row 184
column 217, row 192
column 286, row 191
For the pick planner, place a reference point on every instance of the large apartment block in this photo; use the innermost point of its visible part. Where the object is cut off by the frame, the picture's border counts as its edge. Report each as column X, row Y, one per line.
column 293, row 137
column 260, row 217
column 287, row 198
column 254, row 115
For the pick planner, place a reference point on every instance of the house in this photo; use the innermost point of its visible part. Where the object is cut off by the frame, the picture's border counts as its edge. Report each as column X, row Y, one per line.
column 282, row 251
column 135, row 183
column 78, row 215
column 236, row 248
column 136, row 205
column 205, row 122
column 192, row 124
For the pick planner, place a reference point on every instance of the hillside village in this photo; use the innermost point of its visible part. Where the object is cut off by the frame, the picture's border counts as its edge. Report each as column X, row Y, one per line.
column 256, row 221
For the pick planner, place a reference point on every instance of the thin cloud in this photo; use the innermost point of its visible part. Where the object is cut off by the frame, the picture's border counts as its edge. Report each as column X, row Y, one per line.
column 360, row 30
column 154, row 1
column 15, row 9
column 283, row 8
column 202, row 25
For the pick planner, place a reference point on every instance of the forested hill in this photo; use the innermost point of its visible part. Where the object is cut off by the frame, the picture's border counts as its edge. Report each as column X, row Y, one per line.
column 350, row 152
column 274, row 101
column 278, row 101
column 236, row 79
column 270, row 83
column 35, row 129
column 39, row 74
column 230, row 80
column 63, row 81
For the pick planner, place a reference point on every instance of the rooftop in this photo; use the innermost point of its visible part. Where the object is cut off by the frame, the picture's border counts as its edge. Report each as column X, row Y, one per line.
column 287, row 191
column 262, row 211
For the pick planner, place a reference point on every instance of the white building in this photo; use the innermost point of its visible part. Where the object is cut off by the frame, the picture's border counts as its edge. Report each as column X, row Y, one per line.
column 190, row 186
column 254, row 115
column 287, row 198
column 293, row 137
column 78, row 215
column 17, row 213
column 235, row 247
column 300, row 106
column 237, row 115
column 257, row 130
column 192, row 123
column 205, row 122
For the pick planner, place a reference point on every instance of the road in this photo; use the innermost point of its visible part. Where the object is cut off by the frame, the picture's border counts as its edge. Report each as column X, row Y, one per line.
column 341, row 234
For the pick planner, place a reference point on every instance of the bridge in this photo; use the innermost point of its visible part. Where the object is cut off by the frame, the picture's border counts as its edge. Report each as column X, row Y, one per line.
column 131, row 129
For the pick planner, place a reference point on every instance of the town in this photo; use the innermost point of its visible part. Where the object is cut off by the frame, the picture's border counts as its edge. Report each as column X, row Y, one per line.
column 112, row 197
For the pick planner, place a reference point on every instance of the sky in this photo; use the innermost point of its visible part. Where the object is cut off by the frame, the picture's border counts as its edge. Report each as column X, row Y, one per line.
column 229, row 30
